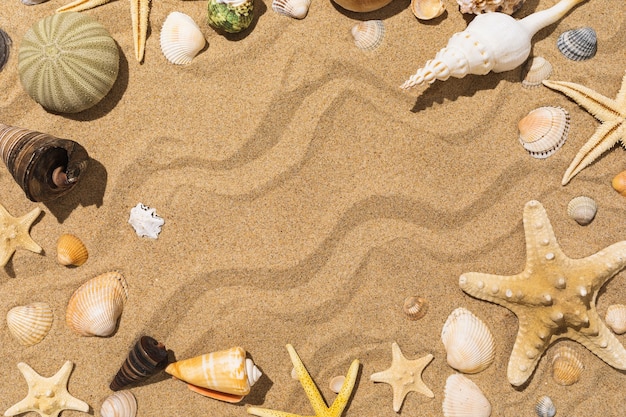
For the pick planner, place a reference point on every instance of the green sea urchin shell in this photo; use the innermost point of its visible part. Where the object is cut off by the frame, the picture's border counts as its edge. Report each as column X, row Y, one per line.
column 68, row 62
column 231, row 16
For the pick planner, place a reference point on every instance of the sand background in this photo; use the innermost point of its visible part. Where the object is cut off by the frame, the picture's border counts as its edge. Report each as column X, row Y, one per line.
column 304, row 197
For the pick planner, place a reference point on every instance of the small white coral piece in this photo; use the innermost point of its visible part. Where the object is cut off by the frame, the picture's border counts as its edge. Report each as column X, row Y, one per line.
column 145, row 221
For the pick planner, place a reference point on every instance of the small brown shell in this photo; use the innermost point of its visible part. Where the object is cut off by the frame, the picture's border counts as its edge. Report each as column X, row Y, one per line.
column 616, row 318
column 567, row 366
column 619, row 183
column 582, row 209
column 415, row 307
column 544, row 130
column 535, row 71
column 368, row 35
column 30, row 323
column 71, row 251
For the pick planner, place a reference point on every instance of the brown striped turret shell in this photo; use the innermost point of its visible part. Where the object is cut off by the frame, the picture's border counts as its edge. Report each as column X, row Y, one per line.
column 44, row 166
column 145, row 359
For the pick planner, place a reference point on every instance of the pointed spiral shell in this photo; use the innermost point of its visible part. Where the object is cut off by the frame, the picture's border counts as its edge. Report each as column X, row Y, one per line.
column 146, row 358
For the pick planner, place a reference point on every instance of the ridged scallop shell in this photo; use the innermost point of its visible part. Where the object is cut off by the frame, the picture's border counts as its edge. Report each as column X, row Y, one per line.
column 427, row 9
column 578, row 44
column 119, row 404
column 545, row 407
column 469, row 343
column 619, row 183
column 566, row 366
column 463, row 398
column 30, row 323
column 181, row 38
column 582, row 209
column 68, row 62
column 71, row 251
column 5, row 48
column 368, row 35
column 296, row 9
column 146, row 358
column 543, row 131
column 535, row 71
column 616, row 318
column 485, row 6
column 96, row 305
column 230, row 16
column 362, row 6
column 415, row 307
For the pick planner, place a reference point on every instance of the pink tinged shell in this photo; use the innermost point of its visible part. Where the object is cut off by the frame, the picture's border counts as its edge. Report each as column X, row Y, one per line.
column 31, row 323
column 368, row 35
column 567, row 366
column 543, row 131
column 336, row 383
column 181, row 38
column 427, row 9
column 463, row 398
column 120, row 404
column 297, row 9
column 616, row 318
column 536, row 70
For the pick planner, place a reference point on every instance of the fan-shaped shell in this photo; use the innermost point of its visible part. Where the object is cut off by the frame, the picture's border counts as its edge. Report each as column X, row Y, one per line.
column 181, row 38
column 578, row 44
column 96, row 305
column 368, row 35
column 427, row 9
column 543, row 131
column 71, row 251
column 5, row 47
column 566, row 366
column 415, row 307
column 296, row 9
column 30, row 323
column 362, row 6
column 582, row 209
column 545, row 407
column 120, row 404
column 535, row 71
column 619, row 183
column 463, row 398
column 616, row 318
column 469, row 343
column 68, row 62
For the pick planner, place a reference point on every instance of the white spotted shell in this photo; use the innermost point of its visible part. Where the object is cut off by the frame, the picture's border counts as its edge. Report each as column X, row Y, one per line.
column 616, row 318
column 578, row 44
column 582, row 209
column 29, row 324
column 535, row 71
column 543, row 131
column 566, row 366
column 368, row 35
column 545, row 407
column 463, row 398
column 296, row 9
column 120, row 404
column 181, row 38
column 469, row 343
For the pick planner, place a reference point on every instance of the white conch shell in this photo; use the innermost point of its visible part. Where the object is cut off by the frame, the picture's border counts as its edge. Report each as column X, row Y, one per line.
column 491, row 42
column 30, row 323
column 616, row 318
column 181, row 38
column 463, row 398
column 120, row 404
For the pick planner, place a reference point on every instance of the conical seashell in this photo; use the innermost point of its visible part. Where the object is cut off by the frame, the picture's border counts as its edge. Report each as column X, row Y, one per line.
column 578, row 44
column 543, row 131
column 225, row 375
column 582, row 209
column 619, row 183
column 96, row 305
column 616, row 318
column 463, row 398
column 5, row 47
column 362, row 6
column 545, row 407
column 71, row 251
column 486, row 6
column 368, row 35
column 566, row 366
column 68, row 62
column 146, row 358
column 415, row 307
column 231, row 16
column 119, row 404
column 491, row 42
column 44, row 166
column 297, row 9
column 536, row 70
column 30, row 323
column 469, row 344
column 427, row 9
column 181, row 38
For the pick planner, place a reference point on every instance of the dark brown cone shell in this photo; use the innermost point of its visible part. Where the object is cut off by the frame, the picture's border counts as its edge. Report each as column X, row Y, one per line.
column 31, row 157
column 145, row 359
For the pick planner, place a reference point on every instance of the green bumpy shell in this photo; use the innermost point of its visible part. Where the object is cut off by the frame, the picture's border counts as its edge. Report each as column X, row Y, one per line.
column 68, row 62
column 231, row 19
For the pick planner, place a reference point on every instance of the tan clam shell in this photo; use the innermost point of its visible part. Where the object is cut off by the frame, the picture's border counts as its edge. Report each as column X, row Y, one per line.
column 427, row 9
column 463, row 398
column 582, row 209
column 469, row 343
column 96, row 305
column 296, row 9
column 415, row 307
column 362, row 6
column 544, row 130
column 567, row 366
column 615, row 318
column 368, row 35
column 71, row 251
column 120, row 404
column 181, row 38
column 619, row 183
column 29, row 324
column 535, row 71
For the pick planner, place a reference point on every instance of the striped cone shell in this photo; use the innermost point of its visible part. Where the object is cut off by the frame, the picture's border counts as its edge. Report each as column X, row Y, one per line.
column 30, row 323
column 145, row 359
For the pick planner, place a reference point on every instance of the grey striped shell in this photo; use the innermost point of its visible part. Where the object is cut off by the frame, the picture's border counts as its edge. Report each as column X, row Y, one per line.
column 5, row 47
column 68, row 62
column 545, row 407
column 33, row 2
column 578, row 44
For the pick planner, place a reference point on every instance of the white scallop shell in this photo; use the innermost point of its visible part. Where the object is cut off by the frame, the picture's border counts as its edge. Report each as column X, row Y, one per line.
column 578, row 44
column 181, row 38
column 582, row 209
column 544, row 130
column 469, row 343
column 120, row 404
column 566, row 366
column 297, row 9
column 616, row 318
column 427, row 9
column 30, row 323
column 535, row 71
column 545, row 407
column 463, row 398
column 368, row 35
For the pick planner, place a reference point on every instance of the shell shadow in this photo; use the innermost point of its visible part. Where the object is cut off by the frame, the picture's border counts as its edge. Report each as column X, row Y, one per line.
column 392, row 9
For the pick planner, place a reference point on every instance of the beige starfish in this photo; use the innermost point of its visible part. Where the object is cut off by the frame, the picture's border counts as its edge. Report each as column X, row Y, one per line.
column 80, row 5
column 315, row 398
column 47, row 396
column 612, row 114
column 553, row 298
column 14, row 233
column 404, row 376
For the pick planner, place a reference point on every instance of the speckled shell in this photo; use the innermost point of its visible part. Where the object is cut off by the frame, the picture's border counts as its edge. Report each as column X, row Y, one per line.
column 362, row 6
column 368, row 35
column 96, row 305
column 427, row 9
column 543, row 131
column 486, row 6
column 145, row 359
column 545, row 407
column 578, row 44
column 535, row 71
column 615, row 318
column 230, row 16
column 71, row 251
column 5, row 48
column 119, row 404
column 582, row 209
column 68, row 62
column 33, row 157
column 415, row 307
column 469, row 343
column 463, row 398
column 296, row 9
column 619, row 183
column 566, row 366
column 31, row 323
column 181, row 38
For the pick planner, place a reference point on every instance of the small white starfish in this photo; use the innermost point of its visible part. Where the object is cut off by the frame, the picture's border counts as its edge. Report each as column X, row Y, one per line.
column 612, row 114
column 14, row 233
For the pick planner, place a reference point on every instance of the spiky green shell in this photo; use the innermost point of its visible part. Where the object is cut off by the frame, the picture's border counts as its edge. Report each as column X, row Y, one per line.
column 68, row 62
column 230, row 18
